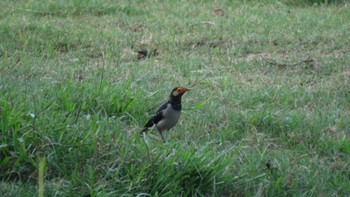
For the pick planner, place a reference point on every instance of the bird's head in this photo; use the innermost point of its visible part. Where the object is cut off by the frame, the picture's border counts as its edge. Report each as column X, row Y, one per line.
column 178, row 91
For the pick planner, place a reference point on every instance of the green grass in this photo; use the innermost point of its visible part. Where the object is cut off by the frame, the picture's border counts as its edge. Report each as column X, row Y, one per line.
column 268, row 113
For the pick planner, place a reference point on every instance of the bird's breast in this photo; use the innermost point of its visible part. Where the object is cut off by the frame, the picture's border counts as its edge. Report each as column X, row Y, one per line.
column 171, row 117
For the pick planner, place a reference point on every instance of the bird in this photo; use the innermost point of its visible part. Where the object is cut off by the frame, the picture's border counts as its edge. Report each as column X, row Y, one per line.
column 168, row 114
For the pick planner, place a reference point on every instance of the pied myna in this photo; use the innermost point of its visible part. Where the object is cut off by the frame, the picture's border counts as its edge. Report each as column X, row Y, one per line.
column 168, row 114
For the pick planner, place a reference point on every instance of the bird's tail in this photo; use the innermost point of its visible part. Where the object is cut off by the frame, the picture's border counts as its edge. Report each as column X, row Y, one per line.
column 145, row 129
column 149, row 125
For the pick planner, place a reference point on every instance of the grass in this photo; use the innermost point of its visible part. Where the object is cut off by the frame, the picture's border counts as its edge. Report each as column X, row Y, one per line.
column 268, row 113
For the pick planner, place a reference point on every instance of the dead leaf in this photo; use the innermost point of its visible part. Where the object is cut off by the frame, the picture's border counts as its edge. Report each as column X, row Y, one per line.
column 218, row 12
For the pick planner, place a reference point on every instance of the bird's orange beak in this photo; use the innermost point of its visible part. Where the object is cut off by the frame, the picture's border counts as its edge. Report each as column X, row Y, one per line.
column 182, row 90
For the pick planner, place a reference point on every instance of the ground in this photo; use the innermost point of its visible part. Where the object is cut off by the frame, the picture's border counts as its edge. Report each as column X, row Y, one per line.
column 268, row 112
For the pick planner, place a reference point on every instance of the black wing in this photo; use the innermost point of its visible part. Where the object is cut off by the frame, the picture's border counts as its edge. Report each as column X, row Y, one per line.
column 155, row 118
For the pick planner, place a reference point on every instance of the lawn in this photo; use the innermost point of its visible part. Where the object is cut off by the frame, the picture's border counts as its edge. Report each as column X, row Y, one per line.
column 268, row 113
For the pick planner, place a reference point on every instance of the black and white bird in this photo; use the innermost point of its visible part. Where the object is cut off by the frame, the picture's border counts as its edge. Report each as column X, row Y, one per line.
column 168, row 114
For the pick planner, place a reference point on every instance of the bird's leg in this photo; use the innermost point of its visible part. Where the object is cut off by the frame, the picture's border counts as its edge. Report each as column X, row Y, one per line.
column 161, row 134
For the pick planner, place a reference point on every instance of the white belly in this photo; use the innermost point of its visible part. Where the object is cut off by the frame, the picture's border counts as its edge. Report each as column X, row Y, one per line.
column 171, row 117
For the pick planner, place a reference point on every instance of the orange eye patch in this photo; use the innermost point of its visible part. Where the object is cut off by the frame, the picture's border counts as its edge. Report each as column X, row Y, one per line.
column 182, row 90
